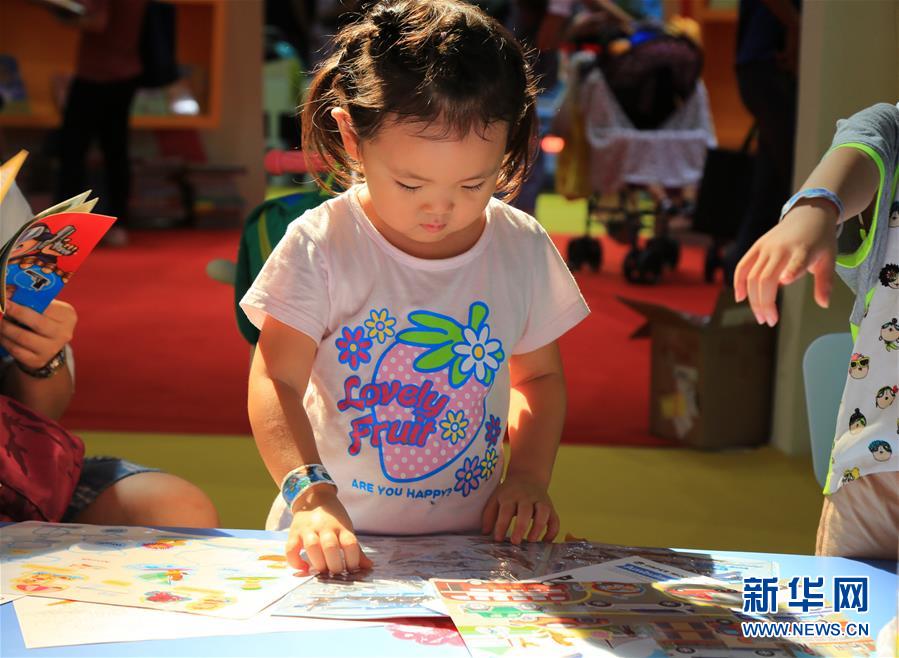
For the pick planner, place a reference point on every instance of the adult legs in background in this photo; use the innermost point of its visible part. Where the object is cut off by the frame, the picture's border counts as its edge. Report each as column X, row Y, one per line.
column 79, row 126
column 101, row 111
column 769, row 93
column 114, row 140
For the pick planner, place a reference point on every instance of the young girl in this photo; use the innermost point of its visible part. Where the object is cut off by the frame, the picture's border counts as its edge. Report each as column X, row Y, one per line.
column 399, row 319
column 860, row 517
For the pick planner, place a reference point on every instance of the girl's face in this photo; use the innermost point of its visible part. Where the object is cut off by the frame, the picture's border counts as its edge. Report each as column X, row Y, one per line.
column 425, row 192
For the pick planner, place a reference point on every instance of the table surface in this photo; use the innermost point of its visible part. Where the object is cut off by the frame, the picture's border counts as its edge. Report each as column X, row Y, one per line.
column 392, row 642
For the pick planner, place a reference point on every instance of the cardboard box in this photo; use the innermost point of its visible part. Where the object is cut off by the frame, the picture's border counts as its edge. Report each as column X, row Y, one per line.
column 711, row 385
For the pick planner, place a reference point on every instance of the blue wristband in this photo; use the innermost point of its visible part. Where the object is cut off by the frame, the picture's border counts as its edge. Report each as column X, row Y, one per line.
column 814, row 193
column 300, row 479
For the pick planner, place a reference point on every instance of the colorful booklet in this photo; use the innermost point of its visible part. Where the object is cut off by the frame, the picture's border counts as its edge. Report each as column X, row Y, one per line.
column 41, row 256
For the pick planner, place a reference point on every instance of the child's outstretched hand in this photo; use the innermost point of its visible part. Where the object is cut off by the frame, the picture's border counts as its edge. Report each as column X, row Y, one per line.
column 527, row 501
column 322, row 526
column 804, row 241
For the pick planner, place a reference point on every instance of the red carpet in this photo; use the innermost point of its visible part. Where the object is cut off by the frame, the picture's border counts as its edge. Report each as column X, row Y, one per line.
column 608, row 372
column 158, row 349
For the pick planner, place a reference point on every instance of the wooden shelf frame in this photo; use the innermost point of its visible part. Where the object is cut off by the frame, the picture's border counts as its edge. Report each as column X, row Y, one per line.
column 45, row 48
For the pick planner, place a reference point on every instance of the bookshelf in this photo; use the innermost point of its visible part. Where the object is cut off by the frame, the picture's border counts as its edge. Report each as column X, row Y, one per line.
column 45, row 49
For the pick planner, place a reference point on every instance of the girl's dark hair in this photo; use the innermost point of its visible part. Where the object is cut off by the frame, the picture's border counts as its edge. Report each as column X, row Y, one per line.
column 437, row 61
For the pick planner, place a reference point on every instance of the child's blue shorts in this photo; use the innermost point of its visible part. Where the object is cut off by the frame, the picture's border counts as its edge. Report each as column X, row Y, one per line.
column 97, row 475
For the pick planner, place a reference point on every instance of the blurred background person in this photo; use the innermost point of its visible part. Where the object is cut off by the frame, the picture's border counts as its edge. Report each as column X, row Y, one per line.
column 99, row 102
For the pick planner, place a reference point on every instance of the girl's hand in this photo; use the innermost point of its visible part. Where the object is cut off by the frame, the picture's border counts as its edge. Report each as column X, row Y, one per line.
column 322, row 526
column 33, row 338
column 804, row 241
column 529, row 503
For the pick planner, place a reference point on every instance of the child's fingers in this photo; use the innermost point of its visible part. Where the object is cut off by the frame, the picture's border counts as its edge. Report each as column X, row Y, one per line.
column 822, row 270
column 27, row 316
column 769, row 282
column 490, row 514
column 552, row 527
column 331, row 552
column 795, row 267
column 752, row 278
column 523, row 515
column 314, row 554
column 756, row 284
column 542, row 513
column 352, row 552
column 741, row 272
column 292, row 552
column 503, row 519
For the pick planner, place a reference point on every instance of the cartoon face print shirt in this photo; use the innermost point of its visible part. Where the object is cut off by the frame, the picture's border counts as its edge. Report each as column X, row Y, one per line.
column 409, row 390
column 867, row 436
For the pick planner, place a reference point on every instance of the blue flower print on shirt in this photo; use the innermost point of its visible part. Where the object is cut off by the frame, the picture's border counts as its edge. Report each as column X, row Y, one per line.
column 354, row 347
column 488, row 463
column 468, row 477
column 463, row 350
column 493, row 428
column 380, row 325
column 454, row 426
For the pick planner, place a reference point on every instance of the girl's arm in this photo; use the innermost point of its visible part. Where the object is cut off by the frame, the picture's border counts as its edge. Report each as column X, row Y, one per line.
column 536, row 415
column 806, row 239
column 279, row 375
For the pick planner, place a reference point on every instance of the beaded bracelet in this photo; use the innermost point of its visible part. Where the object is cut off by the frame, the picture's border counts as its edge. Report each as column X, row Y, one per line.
column 301, row 478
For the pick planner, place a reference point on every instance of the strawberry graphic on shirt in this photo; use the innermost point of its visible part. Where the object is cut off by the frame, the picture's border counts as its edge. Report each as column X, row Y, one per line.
column 426, row 401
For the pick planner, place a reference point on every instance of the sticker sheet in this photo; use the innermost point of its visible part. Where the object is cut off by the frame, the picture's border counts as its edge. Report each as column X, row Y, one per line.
column 572, row 554
column 697, row 617
column 625, row 570
column 145, row 568
column 398, row 584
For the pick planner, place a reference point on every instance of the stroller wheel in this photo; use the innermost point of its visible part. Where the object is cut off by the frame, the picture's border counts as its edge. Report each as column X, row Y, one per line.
column 667, row 249
column 584, row 250
column 642, row 266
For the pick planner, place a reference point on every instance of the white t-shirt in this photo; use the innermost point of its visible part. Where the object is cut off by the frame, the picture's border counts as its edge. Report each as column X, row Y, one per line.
column 409, row 391
column 867, row 436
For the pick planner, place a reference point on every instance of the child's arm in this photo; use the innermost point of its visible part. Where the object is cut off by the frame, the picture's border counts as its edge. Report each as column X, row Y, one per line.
column 34, row 345
column 536, row 415
column 279, row 375
column 806, row 238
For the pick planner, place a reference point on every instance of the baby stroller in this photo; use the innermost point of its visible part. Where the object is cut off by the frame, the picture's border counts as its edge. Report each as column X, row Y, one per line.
column 640, row 116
